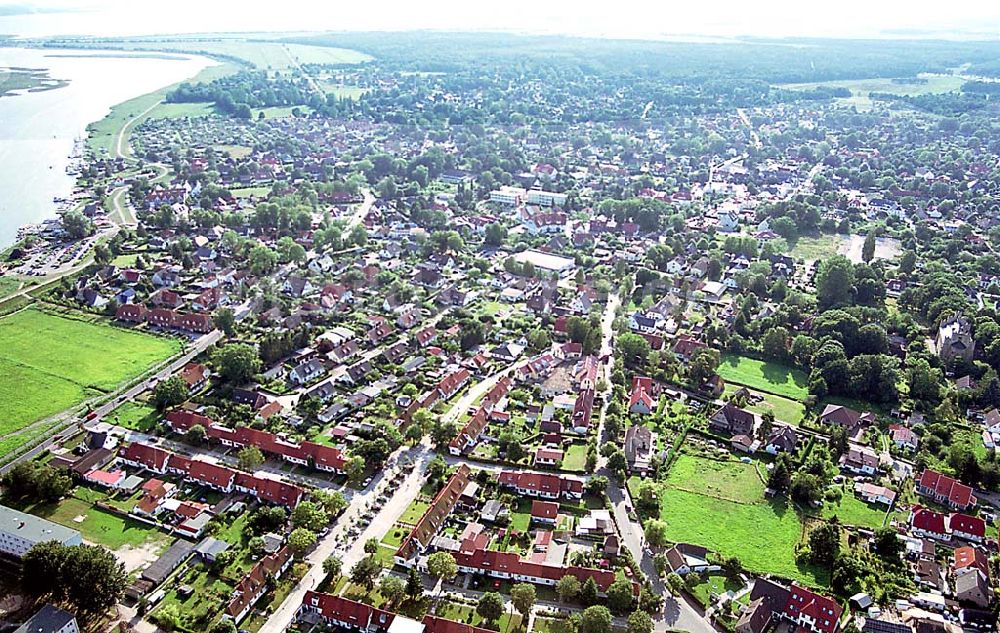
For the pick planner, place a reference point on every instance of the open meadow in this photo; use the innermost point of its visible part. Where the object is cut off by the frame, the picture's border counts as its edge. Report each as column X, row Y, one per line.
column 50, row 362
column 263, row 54
column 784, row 409
column 769, row 377
column 721, row 505
column 861, row 89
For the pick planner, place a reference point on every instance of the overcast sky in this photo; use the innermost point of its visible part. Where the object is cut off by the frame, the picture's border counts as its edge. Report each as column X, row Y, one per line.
column 618, row 18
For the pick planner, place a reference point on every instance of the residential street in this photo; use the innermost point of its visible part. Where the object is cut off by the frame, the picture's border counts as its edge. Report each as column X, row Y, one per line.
column 330, row 545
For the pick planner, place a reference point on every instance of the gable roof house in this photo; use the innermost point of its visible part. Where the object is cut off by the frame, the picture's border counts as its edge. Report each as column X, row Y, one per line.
column 640, row 443
column 432, row 520
column 641, row 399
column 812, row 611
column 954, row 339
column 782, row 439
column 306, row 372
column 731, row 420
column 945, row 490
column 542, row 485
column 845, row 417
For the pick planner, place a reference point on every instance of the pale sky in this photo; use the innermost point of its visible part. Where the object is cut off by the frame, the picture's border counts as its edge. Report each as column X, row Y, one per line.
column 617, row 18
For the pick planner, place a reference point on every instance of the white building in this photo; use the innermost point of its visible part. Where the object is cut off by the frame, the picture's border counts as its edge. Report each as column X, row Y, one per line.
column 506, row 195
column 544, row 198
column 19, row 532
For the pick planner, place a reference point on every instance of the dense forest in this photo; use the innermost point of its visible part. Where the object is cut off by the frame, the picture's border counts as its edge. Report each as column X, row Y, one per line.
column 775, row 61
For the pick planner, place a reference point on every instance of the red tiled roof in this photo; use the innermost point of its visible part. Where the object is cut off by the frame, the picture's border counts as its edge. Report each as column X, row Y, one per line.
column 511, row 563
column 824, row 611
column 249, row 588
column 642, row 386
column 928, row 521
column 945, row 487
column 545, row 483
column 471, row 431
column 153, row 458
column 433, row 518
column 356, row 614
column 434, row 624
column 211, row 474
column 544, row 509
column 967, row 525
column 181, row 420
column 969, row 556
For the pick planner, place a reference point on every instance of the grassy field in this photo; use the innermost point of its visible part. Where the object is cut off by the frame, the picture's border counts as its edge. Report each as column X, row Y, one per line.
column 862, row 88
column 764, row 376
column 730, row 480
column 181, row 110
column 853, row 511
column 125, row 261
column 811, row 248
column 575, row 458
column 98, row 526
column 413, row 512
column 79, row 359
column 458, row 612
column 263, row 54
column 714, row 584
column 785, row 410
column 135, row 416
column 103, row 134
column 721, row 506
column 9, row 285
column 236, row 151
column 247, row 192
column 342, row 91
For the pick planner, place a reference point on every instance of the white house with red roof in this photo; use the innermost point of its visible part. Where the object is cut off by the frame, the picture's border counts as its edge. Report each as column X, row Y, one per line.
column 542, row 485
column 812, row 611
column 641, row 400
column 924, row 522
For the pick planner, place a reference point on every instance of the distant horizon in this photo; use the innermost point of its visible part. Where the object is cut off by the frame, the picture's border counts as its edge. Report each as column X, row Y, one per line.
column 729, row 20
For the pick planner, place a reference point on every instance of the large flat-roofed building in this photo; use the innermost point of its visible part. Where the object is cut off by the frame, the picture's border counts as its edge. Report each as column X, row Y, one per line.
column 545, row 198
column 546, row 261
column 19, row 532
column 508, row 196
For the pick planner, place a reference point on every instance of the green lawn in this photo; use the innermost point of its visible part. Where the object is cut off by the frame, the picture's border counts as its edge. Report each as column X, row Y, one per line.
column 785, row 410
column 552, row 625
column 713, row 583
column 414, row 511
column 181, row 110
column 730, row 480
column 811, row 248
column 721, row 506
column 78, row 359
column 766, row 376
column 467, row 614
column 236, row 151
column 520, row 519
column 98, row 526
column 862, row 88
column 9, row 285
column 125, row 261
column 853, row 511
column 134, row 415
column 575, row 458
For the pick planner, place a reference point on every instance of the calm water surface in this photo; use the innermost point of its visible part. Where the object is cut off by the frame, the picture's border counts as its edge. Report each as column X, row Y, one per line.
column 38, row 130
